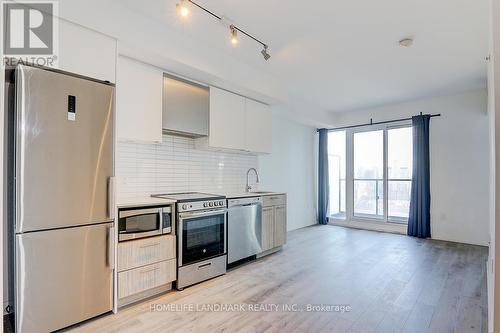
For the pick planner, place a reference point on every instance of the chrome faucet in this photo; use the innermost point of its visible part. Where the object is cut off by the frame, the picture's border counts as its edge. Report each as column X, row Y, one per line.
column 248, row 173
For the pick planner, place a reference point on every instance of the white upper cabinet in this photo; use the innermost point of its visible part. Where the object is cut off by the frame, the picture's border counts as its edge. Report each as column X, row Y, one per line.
column 258, row 127
column 238, row 123
column 227, row 120
column 138, row 101
column 86, row 52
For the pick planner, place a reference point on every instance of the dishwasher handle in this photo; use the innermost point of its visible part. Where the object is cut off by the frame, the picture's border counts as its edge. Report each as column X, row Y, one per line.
column 250, row 204
column 245, row 202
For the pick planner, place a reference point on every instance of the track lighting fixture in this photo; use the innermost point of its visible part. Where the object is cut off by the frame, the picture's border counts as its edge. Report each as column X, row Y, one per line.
column 182, row 8
column 234, row 34
column 265, row 54
column 183, row 11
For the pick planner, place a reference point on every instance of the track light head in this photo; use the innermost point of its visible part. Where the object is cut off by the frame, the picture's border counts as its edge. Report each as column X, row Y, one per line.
column 234, row 34
column 265, row 54
column 182, row 8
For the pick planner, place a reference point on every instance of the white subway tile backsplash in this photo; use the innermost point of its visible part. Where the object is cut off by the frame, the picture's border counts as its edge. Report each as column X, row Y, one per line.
column 176, row 166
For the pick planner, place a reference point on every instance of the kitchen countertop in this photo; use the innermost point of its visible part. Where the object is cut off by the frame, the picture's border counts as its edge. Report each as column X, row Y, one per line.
column 143, row 201
column 150, row 201
column 249, row 194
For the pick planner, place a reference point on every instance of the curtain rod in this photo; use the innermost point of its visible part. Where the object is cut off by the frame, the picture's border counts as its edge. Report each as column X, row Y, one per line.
column 371, row 123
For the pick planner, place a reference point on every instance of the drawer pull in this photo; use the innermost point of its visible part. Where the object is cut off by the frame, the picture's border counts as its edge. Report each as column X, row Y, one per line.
column 149, row 270
column 205, row 265
column 149, row 245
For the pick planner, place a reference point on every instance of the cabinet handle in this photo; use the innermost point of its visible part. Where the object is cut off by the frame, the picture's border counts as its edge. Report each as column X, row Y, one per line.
column 149, row 270
column 149, row 245
column 111, row 247
column 111, row 197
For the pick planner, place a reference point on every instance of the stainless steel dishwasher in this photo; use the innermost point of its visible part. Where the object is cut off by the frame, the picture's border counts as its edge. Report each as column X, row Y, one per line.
column 244, row 225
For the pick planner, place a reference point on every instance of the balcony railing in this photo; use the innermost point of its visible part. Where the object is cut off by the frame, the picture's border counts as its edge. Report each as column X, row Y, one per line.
column 369, row 201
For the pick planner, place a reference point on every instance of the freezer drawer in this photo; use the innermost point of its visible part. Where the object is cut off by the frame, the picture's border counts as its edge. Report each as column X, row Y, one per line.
column 63, row 276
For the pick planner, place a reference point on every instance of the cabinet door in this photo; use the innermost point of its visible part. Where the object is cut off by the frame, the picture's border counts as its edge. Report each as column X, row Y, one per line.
column 258, row 127
column 279, row 225
column 138, row 101
column 267, row 228
column 86, row 52
column 227, row 120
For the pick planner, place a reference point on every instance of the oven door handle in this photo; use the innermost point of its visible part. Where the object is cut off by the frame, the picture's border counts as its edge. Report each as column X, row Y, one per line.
column 201, row 214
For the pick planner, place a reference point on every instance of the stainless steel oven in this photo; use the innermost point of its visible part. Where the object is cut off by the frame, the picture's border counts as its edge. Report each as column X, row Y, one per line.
column 201, row 236
column 201, row 245
column 136, row 223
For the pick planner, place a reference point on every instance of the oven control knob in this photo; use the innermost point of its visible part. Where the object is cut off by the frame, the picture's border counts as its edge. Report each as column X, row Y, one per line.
column 184, row 206
column 221, row 203
column 211, row 204
column 205, row 204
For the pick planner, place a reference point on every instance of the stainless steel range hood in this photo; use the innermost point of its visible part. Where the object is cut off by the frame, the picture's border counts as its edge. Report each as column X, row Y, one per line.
column 185, row 107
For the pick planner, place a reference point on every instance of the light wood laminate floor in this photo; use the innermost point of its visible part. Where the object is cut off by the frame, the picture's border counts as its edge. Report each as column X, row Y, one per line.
column 393, row 283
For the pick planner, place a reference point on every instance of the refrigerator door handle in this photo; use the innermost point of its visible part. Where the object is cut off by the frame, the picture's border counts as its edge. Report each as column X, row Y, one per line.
column 111, row 197
column 111, row 244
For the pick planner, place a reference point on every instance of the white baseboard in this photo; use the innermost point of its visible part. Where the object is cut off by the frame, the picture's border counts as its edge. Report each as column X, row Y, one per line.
column 395, row 228
column 459, row 241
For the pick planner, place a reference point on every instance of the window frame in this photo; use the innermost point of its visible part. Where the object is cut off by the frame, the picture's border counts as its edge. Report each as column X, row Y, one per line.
column 349, row 187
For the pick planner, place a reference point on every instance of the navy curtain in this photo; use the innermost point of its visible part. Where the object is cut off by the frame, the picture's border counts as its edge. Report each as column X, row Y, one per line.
column 323, row 192
column 419, row 221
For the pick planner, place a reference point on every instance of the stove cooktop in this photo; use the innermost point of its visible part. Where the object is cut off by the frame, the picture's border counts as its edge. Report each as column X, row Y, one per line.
column 188, row 196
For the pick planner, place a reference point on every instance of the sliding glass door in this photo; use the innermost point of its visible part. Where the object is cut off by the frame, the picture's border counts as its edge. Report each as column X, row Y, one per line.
column 370, row 173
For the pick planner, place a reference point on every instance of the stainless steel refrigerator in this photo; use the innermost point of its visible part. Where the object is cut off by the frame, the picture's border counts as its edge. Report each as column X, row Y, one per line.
column 63, row 168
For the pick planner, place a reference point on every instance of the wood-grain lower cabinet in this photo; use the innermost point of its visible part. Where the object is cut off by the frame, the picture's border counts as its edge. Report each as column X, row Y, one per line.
column 146, row 267
column 144, row 278
column 145, row 251
column 267, row 236
column 279, row 225
column 274, row 218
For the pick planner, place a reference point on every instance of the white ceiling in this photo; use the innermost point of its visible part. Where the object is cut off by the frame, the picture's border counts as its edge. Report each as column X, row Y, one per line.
column 342, row 54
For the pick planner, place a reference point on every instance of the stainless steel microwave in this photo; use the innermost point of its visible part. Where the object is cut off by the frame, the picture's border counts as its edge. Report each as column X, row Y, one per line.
column 136, row 223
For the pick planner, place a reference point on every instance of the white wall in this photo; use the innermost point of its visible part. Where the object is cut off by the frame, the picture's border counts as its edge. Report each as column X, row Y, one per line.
column 459, row 142
column 491, row 253
column 494, row 110
column 291, row 168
